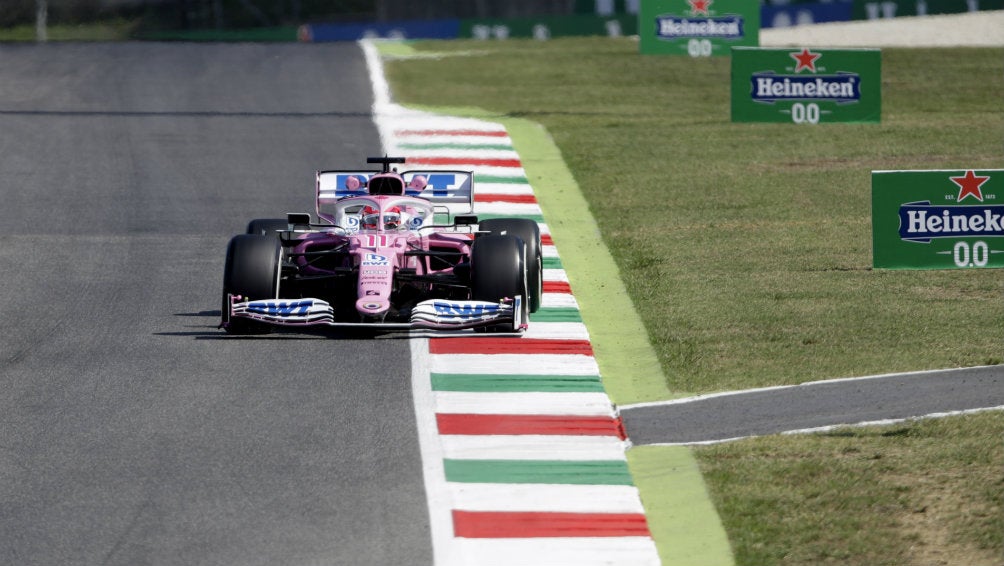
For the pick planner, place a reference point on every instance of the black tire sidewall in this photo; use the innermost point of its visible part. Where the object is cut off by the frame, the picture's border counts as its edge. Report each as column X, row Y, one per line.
column 251, row 271
column 528, row 231
column 497, row 268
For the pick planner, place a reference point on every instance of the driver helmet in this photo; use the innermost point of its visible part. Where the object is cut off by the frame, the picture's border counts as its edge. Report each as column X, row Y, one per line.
column 417, row 183
column 371, row 218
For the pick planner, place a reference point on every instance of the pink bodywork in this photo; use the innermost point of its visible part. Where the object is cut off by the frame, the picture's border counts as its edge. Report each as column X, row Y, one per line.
column 378, row 253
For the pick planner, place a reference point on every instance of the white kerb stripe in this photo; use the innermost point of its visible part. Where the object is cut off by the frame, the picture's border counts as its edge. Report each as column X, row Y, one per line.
column 521, row 403
column 465, row 153
column 429, row 139
column 570, row 551
column 532, row 447
column 503, row 189
column 515, row 209
column 527, row 364
column 557, row 330
column 555, row 498
column 558, row 300
column 555, row 275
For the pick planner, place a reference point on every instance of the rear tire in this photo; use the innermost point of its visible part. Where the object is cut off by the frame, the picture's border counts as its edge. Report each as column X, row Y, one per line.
column 498, row 271
column 528, row 231
column 252, row 270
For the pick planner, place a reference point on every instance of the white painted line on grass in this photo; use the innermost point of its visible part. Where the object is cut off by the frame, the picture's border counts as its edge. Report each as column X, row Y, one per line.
column 828, row 428
column 697, row 398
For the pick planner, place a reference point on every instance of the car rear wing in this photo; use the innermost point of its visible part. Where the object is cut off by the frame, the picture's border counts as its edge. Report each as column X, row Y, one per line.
column 452, row 191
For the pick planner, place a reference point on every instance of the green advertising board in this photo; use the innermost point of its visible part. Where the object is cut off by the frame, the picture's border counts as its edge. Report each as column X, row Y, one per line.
column 951, row 219
column 806, row 86
column 698, row 28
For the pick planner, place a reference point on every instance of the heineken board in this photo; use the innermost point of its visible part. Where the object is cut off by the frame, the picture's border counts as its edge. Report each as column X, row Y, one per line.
column 698, row 28
column 806, row 86
column 938, row 219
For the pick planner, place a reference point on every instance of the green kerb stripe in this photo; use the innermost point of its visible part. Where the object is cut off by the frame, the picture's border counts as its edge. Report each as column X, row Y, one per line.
column 516, row 383
column 498, row 147
column 552, row 263
column 487, row 215
column 499, row 179
column 556, row 314
column 587, row 472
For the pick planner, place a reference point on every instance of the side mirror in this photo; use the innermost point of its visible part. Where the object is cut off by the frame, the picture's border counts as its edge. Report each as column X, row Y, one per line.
column 465, row 219
column 298, row 220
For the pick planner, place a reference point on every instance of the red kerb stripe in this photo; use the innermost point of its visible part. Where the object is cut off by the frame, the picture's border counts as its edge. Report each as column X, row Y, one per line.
column 509, row 346
column 545, row 239
column 557, row 287
column 493, row 197
column 498, row 524
column 560, row 425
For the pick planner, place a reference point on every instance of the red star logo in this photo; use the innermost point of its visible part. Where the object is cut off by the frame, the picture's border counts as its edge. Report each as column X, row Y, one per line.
column 969, row 184
column 806, row 60
column 700, row 6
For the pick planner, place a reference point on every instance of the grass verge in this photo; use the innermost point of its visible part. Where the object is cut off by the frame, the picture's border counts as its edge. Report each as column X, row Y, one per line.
column 746, row 250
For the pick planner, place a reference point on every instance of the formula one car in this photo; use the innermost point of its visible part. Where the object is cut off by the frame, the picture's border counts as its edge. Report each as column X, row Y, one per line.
column 391, row 251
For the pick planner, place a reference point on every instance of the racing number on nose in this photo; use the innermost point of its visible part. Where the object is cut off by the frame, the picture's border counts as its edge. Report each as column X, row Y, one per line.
column 374, row 240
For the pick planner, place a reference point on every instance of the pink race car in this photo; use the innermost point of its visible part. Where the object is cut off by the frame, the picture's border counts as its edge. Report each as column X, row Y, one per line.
column 390, row 250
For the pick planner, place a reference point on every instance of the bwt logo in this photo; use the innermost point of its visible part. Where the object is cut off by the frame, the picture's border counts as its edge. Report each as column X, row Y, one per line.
column 375, row 259
column 281, row 308
column 439, row 184
column 465, row 310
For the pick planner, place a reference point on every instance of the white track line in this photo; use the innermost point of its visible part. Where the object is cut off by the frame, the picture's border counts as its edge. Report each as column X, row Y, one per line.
column 697, row 398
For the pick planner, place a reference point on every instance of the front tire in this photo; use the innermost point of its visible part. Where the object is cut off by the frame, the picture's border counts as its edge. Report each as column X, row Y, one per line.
column 498, row 271
column 252, row 270
column 527, row 230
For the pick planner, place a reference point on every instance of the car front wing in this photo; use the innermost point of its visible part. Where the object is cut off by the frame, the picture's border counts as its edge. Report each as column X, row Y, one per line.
column 434, row 314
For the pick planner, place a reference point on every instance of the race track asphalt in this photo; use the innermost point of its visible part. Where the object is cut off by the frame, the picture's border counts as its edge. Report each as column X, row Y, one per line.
column 132, row 430
column 814, row 405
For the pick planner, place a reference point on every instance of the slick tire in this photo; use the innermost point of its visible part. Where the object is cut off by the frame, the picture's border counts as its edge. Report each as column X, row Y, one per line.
column 527, row 230
column 498, row 271
column 252, row 270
